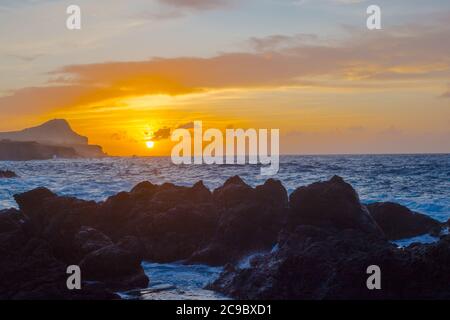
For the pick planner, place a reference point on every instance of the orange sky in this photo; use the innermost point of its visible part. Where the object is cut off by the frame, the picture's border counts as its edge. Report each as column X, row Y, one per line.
column 360, row 92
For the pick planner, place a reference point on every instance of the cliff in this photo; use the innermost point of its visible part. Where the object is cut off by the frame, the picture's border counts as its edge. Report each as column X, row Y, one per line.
column 21, row 151
column 53, row 138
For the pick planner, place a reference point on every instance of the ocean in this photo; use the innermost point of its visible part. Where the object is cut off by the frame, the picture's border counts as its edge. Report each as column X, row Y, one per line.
column 420, row 182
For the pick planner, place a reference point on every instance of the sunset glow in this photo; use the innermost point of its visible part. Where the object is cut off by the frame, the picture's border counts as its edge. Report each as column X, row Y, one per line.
column 328, row 88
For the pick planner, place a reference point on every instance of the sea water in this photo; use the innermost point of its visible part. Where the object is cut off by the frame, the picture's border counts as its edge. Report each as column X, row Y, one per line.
column 420, row 182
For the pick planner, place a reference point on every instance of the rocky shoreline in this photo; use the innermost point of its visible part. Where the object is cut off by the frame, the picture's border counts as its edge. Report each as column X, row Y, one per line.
column 315, row 243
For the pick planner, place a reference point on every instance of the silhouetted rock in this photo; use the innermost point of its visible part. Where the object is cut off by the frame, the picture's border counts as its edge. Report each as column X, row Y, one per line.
column 325, row 249
column 117, row 267
column 54, row 138
column 89, row 239
column 57, row 219
column 318, row 243
column 233, row 192
column 7, row 174
column 28, row 268
column 333, row 204
column 398, row 222
column 318, row 263
column 249, row 221
column 64, row 224
column 10, row 220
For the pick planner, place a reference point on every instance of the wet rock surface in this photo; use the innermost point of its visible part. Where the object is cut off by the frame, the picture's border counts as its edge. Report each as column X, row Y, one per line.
column 324, row 250
column 316, row 244
column 398, row 222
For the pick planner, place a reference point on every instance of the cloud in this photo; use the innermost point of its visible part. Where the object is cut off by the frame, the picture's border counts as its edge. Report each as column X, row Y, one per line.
column 278, row 41
column 25, row 57
column 161, row 134
column 122, row 135
column 162, row 15
column 447, row 93
column 197, row 4
column 401, row 54
column 338, row 2
column 188, row 125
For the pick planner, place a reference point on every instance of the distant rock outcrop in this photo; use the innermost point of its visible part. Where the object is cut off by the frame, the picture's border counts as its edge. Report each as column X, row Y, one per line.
column 55, row 132
column 7, row 174
column 53, row 138
column 22, row 151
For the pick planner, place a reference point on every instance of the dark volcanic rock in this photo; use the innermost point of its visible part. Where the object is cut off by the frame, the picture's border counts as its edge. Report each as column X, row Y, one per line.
column 249, row 221
column 118, row 268
column 89, row 239
column 10, row 220
column 332, row 203
column 67, row 226
column 28, row 268
column 324, row 252
column 322, row 240
column 398, row 222
column 178, row 232
column 57, row 219
column 317, row 263
column 7, row 174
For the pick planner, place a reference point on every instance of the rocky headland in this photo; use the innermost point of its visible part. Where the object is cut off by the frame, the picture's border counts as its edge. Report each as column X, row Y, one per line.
column 52, row 139
column 314, row 244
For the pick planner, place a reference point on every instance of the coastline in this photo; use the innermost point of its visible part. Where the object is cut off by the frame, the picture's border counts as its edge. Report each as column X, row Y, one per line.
column 168, row 223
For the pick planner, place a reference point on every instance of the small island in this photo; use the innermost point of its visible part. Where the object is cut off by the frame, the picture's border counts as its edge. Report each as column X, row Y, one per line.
column 53, row 139
column 7, row 174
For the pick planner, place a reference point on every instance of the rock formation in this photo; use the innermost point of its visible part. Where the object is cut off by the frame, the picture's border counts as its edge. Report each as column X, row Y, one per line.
column 315, row 245
column 54, row 138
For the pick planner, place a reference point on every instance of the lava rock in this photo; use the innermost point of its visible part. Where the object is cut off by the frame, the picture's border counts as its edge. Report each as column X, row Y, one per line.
column 398, row 222
column 331, row 204
column 316, row 263
column 117, row 267
column 89, row 239
column 249, row 221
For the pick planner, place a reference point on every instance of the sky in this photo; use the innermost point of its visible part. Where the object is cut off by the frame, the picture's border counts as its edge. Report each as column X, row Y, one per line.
column 138, row 69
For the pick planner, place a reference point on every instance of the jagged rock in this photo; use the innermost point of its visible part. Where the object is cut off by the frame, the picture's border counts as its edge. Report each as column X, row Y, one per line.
column 333, row 204
column 65, row 224
column 324, row 250
column 249, row 221
column 89, row 239
column 320, row 263
column 29, row 270
column 398, row 222
column 57, row 219
column 233, row 192
column 10, row 220
column 178, row 232
column 117, row 267
column 322, row 240
column 54, row 138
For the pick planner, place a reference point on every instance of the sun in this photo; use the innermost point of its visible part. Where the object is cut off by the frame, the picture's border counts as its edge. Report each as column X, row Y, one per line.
column 150, row 144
